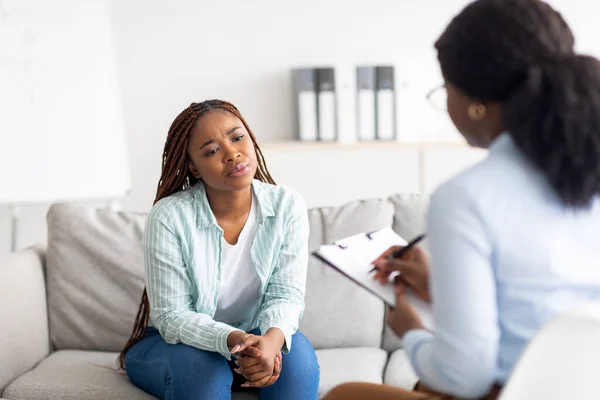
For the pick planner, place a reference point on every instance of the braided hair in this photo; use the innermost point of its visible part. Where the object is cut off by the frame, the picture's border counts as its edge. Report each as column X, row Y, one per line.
column 521, row 53
column 176, row 176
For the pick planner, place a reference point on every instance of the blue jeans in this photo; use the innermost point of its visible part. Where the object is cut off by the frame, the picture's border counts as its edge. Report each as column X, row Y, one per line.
column 182, row 372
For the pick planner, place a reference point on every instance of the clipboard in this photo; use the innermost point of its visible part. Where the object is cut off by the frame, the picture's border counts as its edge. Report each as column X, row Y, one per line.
column 352, row 257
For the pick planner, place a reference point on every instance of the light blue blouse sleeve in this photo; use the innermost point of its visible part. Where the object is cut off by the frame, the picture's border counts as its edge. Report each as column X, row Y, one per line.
column 460, row 357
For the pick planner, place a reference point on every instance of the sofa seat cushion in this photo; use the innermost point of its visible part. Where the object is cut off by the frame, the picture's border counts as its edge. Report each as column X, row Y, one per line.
column 83, row 375
column 362, row 364
column 399, row 372
column 75, row 374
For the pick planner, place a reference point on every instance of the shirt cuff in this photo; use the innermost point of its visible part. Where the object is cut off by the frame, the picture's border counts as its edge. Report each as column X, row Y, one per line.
column 413, row 340
column 287, row 334
column 221, row 340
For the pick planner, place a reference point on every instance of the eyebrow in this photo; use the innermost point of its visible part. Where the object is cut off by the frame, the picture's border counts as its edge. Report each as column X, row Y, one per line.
column 229, row 132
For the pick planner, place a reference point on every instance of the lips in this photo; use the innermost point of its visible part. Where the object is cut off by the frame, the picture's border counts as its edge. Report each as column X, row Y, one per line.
column 239, row 170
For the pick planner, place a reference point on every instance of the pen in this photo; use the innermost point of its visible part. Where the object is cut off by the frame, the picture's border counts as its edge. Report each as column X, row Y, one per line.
column 400, row 252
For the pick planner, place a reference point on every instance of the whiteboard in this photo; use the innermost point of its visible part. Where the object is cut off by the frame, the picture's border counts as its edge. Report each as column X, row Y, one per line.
column 61, row 129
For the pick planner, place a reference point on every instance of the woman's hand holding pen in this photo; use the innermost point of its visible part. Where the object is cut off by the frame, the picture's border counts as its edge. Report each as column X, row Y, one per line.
column 413, row 269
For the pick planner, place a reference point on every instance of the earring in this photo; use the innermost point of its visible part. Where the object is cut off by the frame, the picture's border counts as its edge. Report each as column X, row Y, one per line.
column 476, row 112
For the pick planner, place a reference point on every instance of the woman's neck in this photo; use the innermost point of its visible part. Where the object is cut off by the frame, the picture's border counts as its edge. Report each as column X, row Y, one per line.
column 229, row 204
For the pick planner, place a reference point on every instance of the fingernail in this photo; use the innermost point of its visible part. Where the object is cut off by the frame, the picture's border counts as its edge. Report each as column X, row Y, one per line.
column 235, row 349
column 245, row 385
column 237, row 370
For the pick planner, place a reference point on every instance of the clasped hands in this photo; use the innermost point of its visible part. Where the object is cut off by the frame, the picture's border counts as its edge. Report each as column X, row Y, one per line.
column 258, row 358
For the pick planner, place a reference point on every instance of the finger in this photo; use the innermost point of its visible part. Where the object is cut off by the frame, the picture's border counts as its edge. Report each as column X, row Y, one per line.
column 250, row 370
column 409, row 270
column 259, row 376
column 399, row 297
column 252, row 351
column 277, row 367
column 382, row 277
column 257, row 384
column 248, row 341
column 247, row 362
column 272, row 380
column 386, row 253
column 401, row 280
column 397, row 265
column 399, row 290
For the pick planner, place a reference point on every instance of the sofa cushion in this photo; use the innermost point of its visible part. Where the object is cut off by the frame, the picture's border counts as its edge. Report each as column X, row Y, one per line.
column 360, row 364
column 72, row 374
column 94, row 276
column 76, row 375
column 338, row 312
column 399, row 372
column 82, row 375
column 410, row 215
column 23, row 314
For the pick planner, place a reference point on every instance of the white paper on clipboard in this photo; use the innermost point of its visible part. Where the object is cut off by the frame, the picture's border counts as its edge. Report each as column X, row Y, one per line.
column 353, row 256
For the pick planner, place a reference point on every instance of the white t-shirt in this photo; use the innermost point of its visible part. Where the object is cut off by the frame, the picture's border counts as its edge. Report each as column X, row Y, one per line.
column 240, row 284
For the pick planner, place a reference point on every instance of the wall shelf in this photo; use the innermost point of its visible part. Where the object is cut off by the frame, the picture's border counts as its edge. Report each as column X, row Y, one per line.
column 330, row 173
column 291, row 145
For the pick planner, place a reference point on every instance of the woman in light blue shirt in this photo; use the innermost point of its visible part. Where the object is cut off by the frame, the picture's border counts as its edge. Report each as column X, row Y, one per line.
column 514, row 240
column 225, row 255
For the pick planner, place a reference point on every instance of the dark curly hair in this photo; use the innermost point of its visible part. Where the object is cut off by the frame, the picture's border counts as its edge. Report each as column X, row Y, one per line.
column 521, row 53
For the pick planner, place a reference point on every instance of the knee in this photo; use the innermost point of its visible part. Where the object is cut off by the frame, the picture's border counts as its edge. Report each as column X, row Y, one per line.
column 303, row 357
column 343, row 391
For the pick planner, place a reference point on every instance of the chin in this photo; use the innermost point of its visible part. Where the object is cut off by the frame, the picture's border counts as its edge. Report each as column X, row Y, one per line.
column 241, row 183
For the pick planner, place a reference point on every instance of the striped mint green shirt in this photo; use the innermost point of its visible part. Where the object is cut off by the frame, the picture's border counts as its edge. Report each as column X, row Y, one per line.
column 182, row 259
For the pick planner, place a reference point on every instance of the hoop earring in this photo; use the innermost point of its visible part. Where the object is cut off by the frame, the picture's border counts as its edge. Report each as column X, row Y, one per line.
column 476, row 112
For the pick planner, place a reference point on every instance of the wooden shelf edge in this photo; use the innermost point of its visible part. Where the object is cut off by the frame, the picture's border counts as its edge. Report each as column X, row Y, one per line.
column 304, row 146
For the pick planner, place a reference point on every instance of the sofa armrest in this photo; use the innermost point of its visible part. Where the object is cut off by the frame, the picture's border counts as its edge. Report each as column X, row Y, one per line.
column 24, row 339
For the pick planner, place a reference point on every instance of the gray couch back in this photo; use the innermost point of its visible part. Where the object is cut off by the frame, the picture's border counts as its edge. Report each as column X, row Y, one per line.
column 94, row 274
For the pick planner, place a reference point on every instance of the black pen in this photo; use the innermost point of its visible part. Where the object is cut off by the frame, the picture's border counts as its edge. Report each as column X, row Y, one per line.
column 400, row 252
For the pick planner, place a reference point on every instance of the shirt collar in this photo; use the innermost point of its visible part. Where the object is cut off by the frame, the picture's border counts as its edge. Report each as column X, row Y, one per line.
column 502, row 143
column 205, row 216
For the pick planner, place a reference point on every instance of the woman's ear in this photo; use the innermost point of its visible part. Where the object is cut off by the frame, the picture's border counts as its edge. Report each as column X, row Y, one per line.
column 194, row 170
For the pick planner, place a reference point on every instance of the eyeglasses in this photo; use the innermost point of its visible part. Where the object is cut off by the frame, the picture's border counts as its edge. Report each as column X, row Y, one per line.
column 438, row 98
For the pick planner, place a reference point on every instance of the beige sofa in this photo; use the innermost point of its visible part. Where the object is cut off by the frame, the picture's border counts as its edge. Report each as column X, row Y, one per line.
column 66, row 309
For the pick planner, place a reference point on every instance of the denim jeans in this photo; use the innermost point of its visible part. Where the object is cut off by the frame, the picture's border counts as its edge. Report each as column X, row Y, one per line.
column 182, row 372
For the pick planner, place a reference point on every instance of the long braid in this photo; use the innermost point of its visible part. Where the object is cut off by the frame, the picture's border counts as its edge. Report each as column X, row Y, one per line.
column 176, row 176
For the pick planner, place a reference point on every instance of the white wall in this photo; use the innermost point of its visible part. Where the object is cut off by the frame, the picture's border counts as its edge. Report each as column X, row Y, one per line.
column 172, row 53
column 194, row 50
column 242, row 51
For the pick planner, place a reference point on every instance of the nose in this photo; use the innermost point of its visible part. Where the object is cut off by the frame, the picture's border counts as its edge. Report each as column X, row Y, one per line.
column 231, row 154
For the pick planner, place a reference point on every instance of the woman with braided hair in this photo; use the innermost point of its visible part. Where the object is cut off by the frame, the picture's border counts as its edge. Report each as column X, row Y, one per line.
column 225, row 256
column 513, row 241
